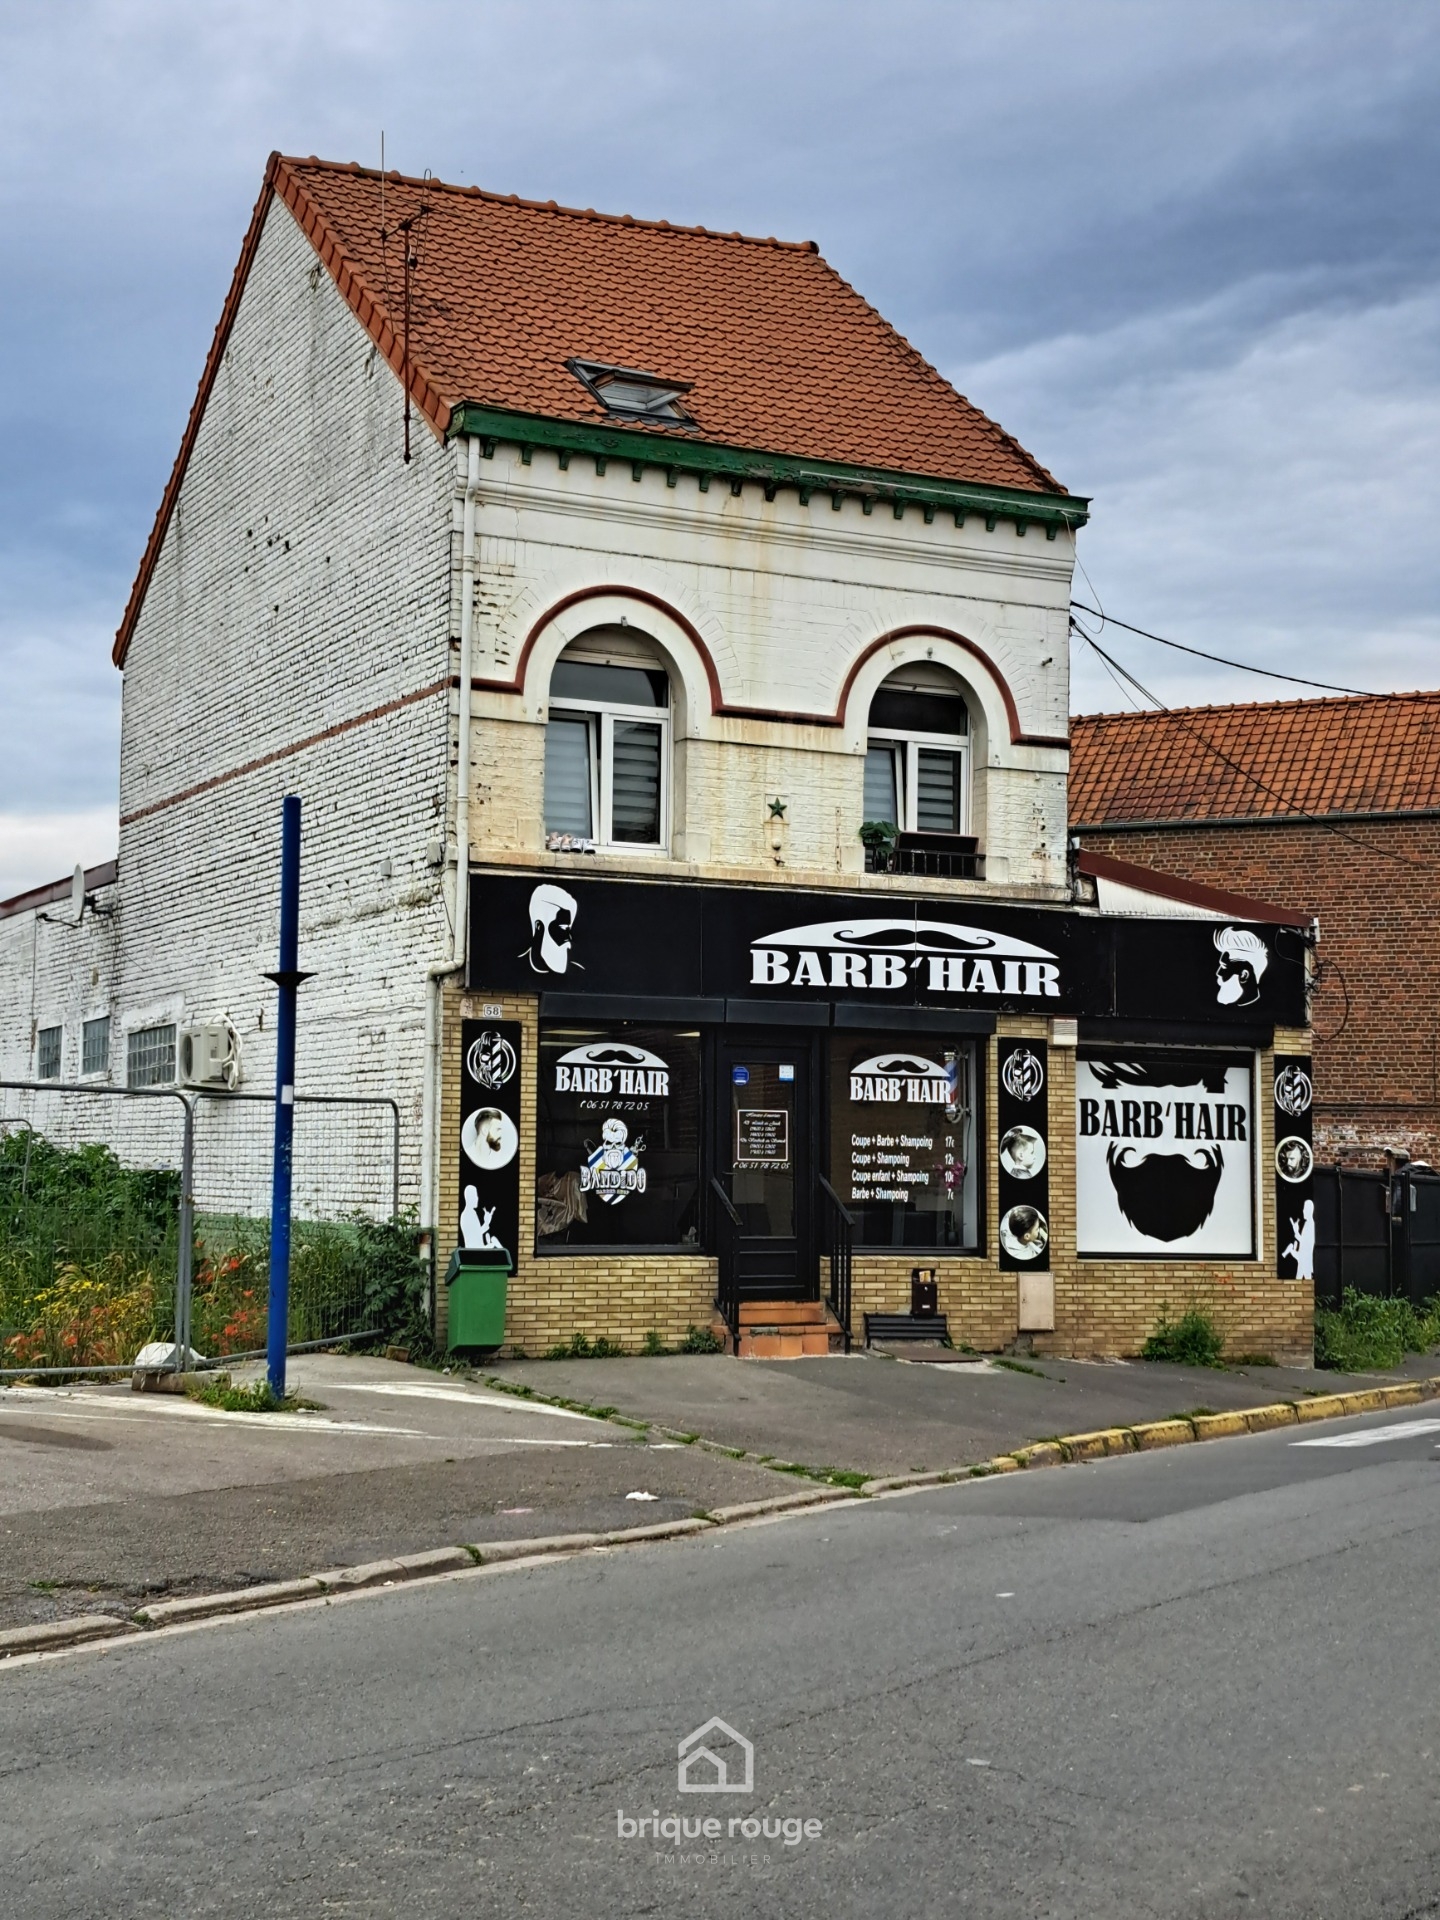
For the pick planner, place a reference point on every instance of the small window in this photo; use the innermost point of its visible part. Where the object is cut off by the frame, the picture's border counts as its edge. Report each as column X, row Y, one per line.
column 632, row 395
column 95, row 1050
column 47, row 1053
column 607, row 747
column 150, row 1057
column 917, row 761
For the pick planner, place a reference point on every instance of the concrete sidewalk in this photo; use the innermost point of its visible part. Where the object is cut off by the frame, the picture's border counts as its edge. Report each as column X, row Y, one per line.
column 109, row 1498
column 875, row 1414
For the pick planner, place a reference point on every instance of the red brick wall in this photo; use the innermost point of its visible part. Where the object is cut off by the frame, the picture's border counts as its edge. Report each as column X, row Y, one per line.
column 1376, row 894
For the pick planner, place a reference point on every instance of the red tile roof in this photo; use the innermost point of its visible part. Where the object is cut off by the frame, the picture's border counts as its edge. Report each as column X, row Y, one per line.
column 784, row 356
column 1271, row 760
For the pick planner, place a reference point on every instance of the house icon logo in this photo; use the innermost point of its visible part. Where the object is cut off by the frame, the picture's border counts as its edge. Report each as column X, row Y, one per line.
column 704, row 1770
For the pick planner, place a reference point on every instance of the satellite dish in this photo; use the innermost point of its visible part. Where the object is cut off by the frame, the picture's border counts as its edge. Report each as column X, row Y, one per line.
column 77, row 890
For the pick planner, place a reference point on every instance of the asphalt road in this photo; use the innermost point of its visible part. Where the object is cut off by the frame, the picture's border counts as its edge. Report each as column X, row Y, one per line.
column 1195, row 1683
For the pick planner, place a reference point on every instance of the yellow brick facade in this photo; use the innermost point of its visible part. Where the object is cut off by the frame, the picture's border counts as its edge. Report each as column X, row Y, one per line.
column 1103, row 1308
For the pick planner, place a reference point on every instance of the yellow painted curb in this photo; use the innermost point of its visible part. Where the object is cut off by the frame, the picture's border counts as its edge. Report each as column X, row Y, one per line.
column 1368, row 1400
column 1214, row 1426
column 1044, row 1453
column 1321, row 1406
column 1263, row 1419
column 1406, row 1394
column 1004, row 1463
column 1163, row 1433
column 1098, row 1445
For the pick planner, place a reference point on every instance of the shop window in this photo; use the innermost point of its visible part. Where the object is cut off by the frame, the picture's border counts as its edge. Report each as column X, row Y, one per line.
column 150, row 1057
column 47, row 1053
column 617, row 1152
column 917, row 761
column 607, row 748
column 95, row 1045
column 1165, row 1150
column 903, row 1139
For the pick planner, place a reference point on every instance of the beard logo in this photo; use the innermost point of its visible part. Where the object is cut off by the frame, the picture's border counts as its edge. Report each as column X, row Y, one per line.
column 1165, row 1196
column 1243, row 960
column 552, row 928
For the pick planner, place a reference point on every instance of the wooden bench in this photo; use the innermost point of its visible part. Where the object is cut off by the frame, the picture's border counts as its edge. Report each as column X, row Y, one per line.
column 906, row 1326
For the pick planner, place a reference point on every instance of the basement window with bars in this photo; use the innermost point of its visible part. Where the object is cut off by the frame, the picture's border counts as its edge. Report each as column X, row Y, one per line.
column 47, row 1053
column 150, row 1057
column 607, row 748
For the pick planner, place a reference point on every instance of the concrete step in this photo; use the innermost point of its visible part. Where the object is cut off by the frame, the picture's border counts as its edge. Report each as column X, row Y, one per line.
column 783, row 1313
column 787, row 1330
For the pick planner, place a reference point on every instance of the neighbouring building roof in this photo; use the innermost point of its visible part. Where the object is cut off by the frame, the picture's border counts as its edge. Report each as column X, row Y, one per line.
column 1123, row 888
column 776, row 353
column 1273, row 760
column 45, row 896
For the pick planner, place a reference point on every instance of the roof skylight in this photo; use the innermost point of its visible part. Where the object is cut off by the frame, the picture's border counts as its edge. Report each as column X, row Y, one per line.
column 631, row 395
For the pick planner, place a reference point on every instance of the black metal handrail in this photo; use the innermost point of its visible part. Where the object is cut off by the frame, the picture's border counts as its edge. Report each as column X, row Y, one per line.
column 727, row 1248
column 839, row 1235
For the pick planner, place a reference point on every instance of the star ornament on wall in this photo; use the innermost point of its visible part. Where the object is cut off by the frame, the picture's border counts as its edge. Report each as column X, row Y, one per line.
column 777, row 809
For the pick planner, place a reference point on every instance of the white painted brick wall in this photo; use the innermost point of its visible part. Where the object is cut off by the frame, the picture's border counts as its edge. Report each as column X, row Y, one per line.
column 309, row 577
column 305, row 580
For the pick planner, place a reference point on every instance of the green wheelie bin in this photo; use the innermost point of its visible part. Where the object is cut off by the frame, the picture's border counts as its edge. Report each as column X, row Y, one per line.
column 476, row 1282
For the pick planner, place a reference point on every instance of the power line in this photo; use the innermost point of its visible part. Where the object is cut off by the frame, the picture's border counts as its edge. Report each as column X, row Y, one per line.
column 1241, row 666
column 1315, row 820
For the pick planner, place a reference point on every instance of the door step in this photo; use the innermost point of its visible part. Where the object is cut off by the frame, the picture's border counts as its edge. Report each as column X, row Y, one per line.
column 788, row 1330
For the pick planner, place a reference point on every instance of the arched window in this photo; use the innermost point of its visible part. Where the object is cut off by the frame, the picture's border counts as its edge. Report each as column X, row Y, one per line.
column 917, row 761
column 607, row 745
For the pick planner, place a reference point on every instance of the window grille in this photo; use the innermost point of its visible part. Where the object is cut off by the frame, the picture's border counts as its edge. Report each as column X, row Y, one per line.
column 47, row 1053
column 95, row 1049
column 150, row 1057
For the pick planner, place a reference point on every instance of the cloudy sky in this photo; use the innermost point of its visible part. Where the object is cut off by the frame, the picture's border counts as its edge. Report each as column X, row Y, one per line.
column 1188, row 254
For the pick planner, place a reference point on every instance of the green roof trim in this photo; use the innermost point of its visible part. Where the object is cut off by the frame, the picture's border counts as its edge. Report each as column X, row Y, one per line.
column 677, row 453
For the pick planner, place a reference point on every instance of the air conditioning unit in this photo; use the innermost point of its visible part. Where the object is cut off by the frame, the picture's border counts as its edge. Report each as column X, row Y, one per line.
column 208, row 1055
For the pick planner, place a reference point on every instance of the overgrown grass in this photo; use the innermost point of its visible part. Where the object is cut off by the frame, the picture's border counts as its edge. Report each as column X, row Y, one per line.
column 88, row 1252
column 257, row 1397
column 1365, row 1334
column 1193, row 1340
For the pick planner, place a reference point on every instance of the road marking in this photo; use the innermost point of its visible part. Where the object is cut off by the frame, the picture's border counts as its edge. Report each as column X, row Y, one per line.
column 1373, row 1436
column 512, row 1402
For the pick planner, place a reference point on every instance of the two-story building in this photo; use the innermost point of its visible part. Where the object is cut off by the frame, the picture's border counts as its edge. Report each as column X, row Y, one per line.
column 673, row 668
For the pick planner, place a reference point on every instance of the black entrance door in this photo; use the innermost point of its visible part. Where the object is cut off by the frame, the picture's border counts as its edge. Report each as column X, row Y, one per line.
column 765, row 1157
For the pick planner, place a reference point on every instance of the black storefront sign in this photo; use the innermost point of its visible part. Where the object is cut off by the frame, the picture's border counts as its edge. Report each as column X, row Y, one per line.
column 1022, row 1105
column 1294, row 1168
column 490, row 1135
column 762, row 953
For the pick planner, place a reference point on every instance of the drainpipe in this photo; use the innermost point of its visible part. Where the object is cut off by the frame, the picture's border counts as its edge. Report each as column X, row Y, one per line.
column 462, row 771
column 441, row 970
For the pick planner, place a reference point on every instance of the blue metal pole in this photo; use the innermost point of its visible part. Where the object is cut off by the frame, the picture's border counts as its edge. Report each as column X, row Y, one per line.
column 287, row 978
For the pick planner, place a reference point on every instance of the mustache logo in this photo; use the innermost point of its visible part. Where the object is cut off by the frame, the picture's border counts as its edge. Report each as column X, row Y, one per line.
column 1165, row 1196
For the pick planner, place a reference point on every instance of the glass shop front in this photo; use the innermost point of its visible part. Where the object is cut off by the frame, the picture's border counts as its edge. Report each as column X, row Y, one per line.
column 765, row 1055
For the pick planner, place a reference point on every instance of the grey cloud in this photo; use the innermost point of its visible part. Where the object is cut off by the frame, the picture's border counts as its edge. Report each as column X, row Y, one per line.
column 1126, row 230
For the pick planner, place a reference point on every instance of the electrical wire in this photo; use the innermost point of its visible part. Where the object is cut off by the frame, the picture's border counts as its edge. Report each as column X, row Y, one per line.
column 1302, row 813
column 1241, row 666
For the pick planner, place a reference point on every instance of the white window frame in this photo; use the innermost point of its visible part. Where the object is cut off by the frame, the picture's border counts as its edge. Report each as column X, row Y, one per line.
column 909, row 759
column 602, row 716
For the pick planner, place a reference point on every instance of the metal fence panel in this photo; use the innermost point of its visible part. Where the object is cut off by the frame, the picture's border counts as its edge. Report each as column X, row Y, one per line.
column 201, row 1161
